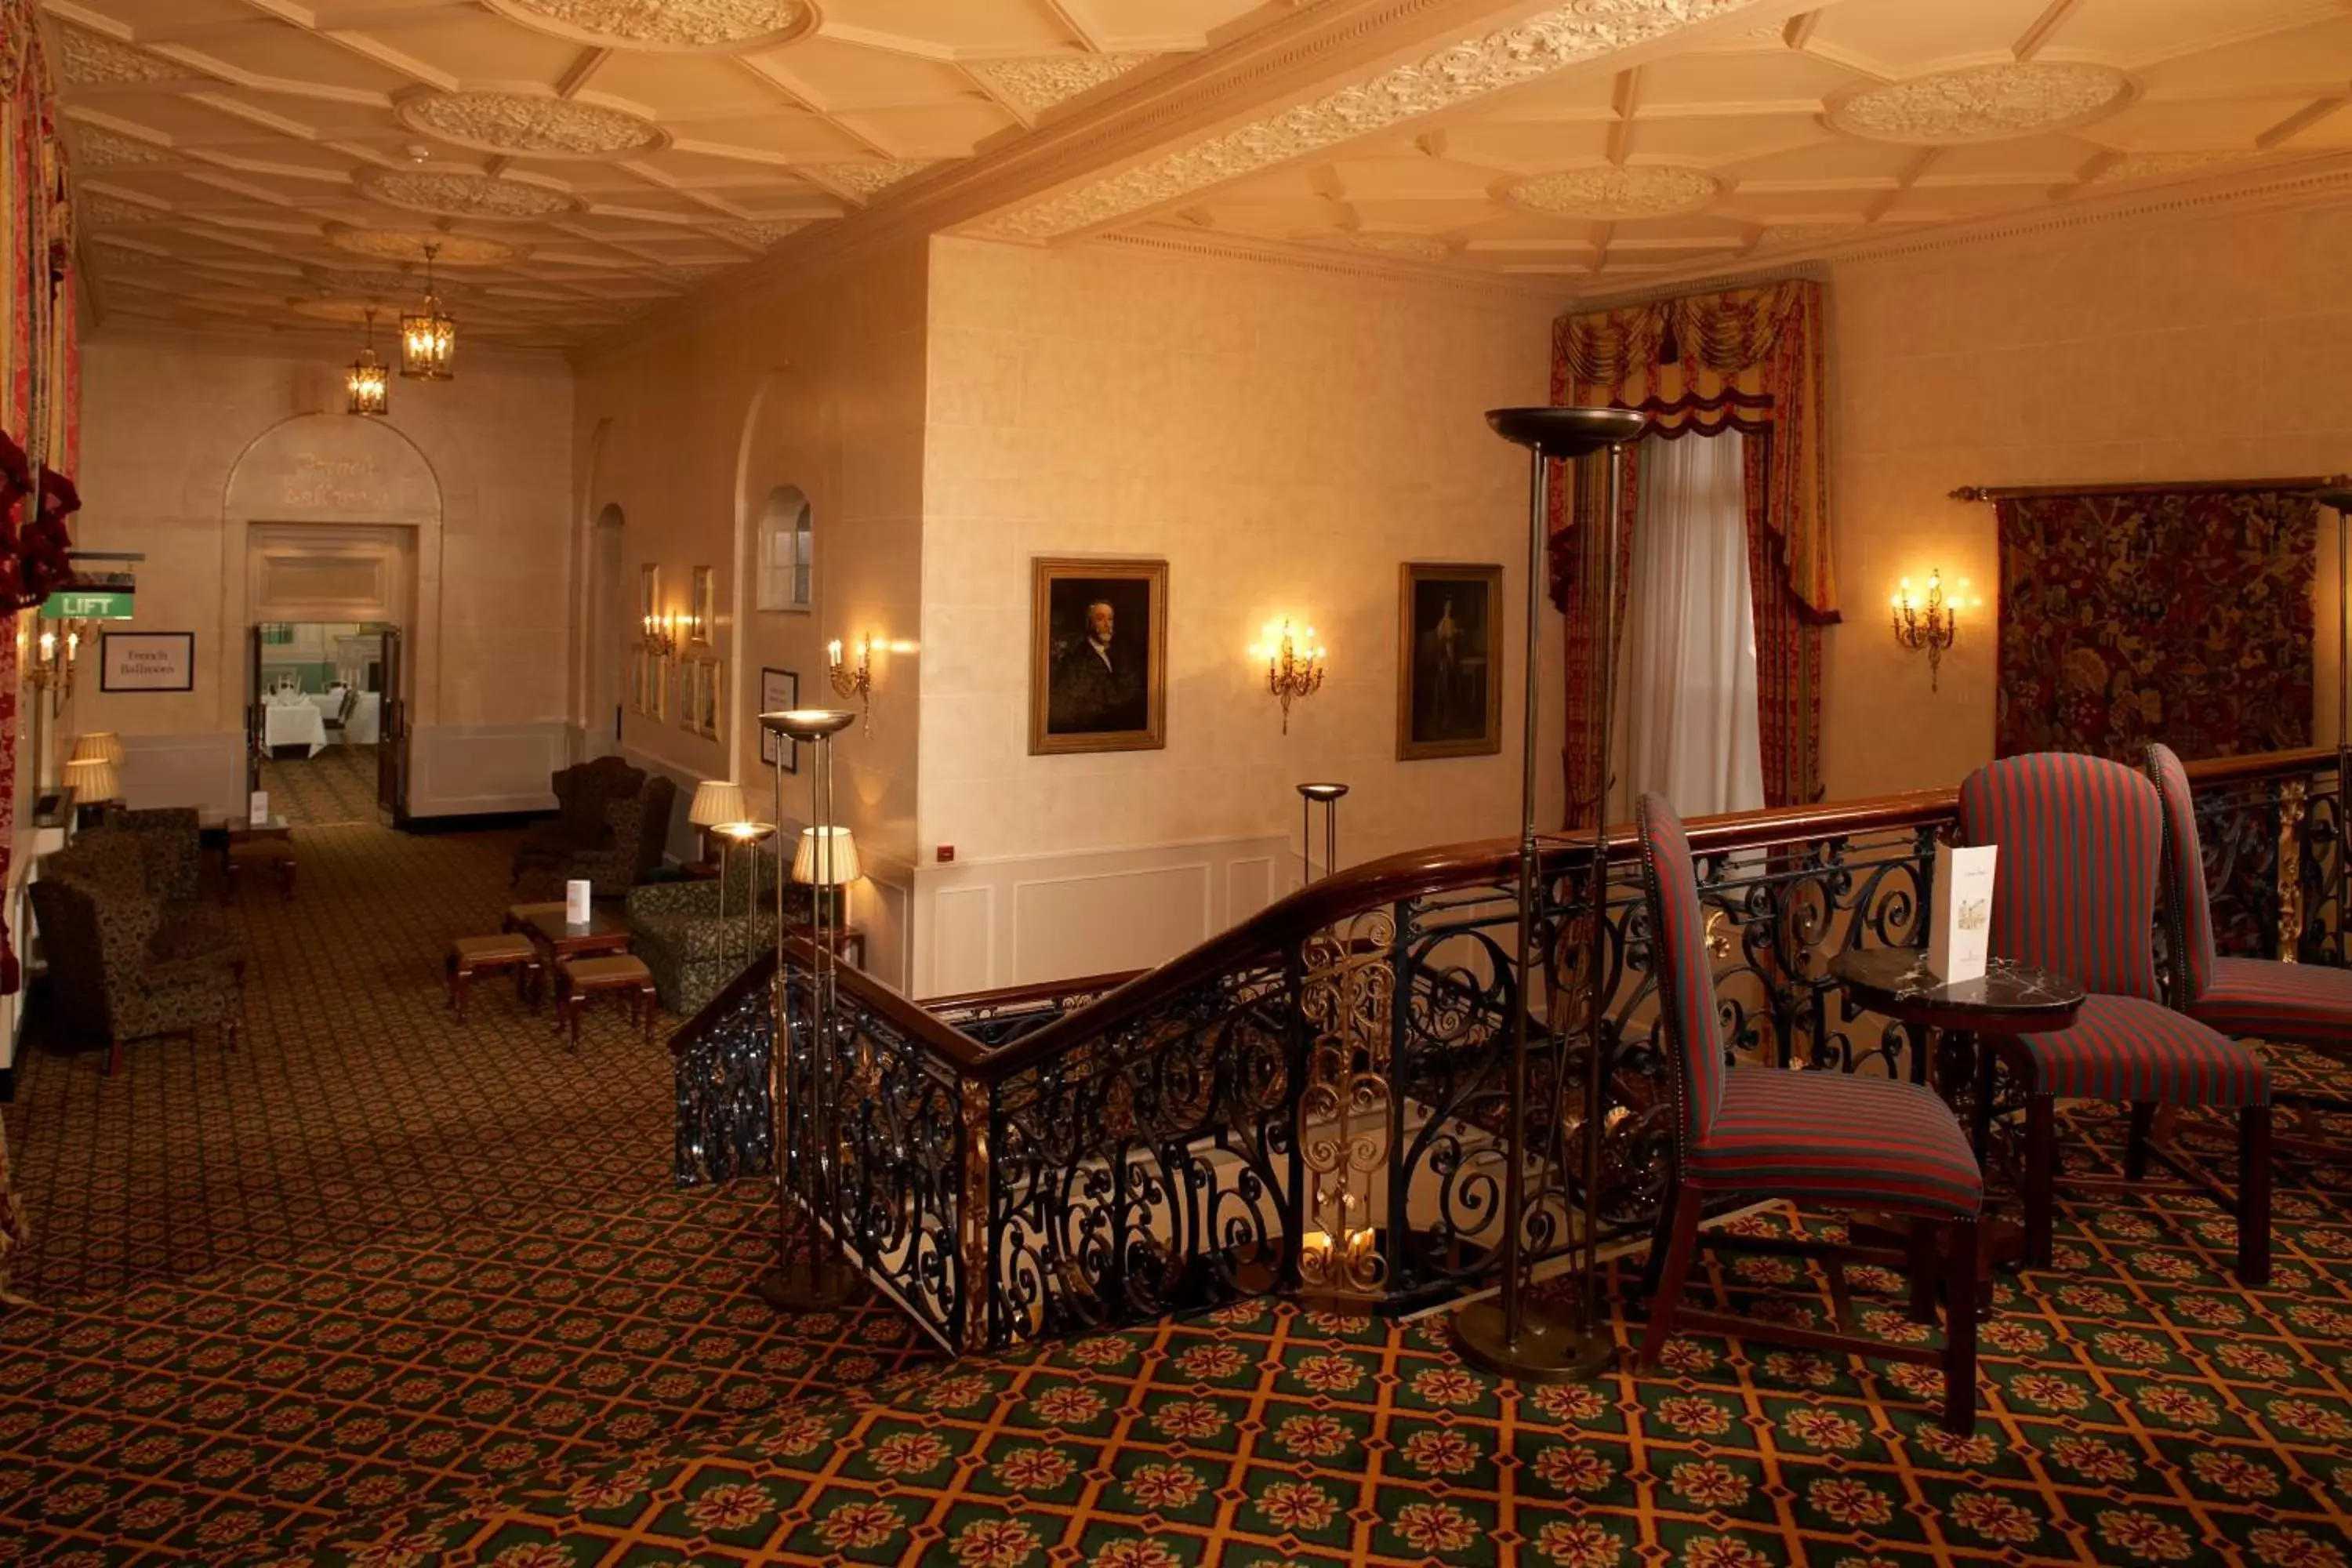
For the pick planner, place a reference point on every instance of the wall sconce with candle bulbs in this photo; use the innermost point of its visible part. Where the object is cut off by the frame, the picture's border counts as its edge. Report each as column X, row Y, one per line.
column 854, row 680
column 1929, row 621
column 52, row 669
column 1294, row 664
column 659, row 633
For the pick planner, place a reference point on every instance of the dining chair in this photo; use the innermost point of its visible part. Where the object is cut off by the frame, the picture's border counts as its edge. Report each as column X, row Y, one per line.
column 2307, row 1005
column 2075, row 892
column 1824, row 1140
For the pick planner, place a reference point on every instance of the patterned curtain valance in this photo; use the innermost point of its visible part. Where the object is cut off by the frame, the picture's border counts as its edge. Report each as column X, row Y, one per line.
column 1753, row 357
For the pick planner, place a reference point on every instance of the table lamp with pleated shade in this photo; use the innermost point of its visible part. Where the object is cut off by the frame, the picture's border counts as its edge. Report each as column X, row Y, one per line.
column 715, row 800
column 93, row 783
column 100, row 746
column 828, row 876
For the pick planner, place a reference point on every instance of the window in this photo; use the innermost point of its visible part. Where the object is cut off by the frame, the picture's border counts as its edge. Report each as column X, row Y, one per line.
column 786, row 578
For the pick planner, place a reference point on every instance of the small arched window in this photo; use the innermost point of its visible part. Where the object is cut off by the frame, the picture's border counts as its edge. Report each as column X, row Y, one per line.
column 786, row 576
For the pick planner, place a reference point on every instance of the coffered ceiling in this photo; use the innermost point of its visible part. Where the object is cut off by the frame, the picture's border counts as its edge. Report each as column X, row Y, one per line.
column 573, row 161
column 1855, row 119
column 278, row 164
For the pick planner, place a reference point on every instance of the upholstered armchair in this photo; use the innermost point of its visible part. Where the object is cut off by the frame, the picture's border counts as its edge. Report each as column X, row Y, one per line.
column 584, row 793
column 119, row 968
column 693, row 946
column 640, row 824
column 147, row 854
column 174, row 842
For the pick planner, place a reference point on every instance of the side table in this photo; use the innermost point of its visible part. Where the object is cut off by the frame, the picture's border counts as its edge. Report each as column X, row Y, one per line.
column 1970, row 1022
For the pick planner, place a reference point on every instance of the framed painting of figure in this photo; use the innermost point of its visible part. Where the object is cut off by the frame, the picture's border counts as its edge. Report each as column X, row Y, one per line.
column 1449, row 660
column 1099, row 656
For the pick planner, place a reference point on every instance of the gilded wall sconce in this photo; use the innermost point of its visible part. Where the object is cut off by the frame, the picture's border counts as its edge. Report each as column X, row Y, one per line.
column 854, row 680
column 660, row 634
column 1929, row 621
column 1294, row 664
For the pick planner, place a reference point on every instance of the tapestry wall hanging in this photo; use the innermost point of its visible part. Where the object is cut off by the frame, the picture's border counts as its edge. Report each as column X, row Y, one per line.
column 2179, row 615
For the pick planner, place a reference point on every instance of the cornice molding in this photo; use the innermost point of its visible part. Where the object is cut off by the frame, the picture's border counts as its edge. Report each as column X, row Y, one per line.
column 1361, row 266
column 1310, row 52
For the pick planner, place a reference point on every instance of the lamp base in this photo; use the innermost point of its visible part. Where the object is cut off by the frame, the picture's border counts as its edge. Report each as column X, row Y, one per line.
column 1552, row 1347
column 806, row 1288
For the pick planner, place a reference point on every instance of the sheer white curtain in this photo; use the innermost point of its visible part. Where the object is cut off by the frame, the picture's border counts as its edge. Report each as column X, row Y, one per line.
column 1688, row 659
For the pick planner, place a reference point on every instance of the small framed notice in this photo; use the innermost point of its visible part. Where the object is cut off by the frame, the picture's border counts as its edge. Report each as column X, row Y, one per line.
column 147, row 661
column 1961, row 932
column 779, row 689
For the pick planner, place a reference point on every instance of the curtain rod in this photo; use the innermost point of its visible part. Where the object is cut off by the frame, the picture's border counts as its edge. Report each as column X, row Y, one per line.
column 2142, row 488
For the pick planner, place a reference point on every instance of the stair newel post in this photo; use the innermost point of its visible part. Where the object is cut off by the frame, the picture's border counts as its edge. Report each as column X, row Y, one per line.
column 1514, row 1335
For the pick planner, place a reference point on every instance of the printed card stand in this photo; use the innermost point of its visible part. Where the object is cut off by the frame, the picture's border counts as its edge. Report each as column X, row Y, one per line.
column 1959, row 933
column 257, row 807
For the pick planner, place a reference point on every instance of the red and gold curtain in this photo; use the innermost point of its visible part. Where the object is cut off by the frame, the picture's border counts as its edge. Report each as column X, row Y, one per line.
column 1749, row 359
column 2183, row 616
column 40, row 426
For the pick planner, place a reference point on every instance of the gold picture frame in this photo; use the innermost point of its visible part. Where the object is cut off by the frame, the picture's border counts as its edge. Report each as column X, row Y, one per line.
column 649, row 604
column 701, row 702
column 1091, row 693
column 1449, row 660
column 703, row 606
column 649, row 683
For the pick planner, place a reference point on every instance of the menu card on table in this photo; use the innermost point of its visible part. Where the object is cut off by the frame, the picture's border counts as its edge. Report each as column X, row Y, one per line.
column 1959, row 932
column 256, row 809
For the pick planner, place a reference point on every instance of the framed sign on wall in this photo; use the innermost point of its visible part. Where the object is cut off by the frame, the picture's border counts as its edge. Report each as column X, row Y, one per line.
column 780, row 689
column 147, row 661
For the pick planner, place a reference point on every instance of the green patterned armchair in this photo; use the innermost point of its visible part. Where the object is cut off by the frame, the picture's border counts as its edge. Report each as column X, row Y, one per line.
column 123, row 963
column 174, row 843
column 693, row 947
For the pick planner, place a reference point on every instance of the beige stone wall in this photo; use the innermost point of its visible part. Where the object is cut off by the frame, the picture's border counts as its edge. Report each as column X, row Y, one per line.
column 1285, row 436
column 2210, row 345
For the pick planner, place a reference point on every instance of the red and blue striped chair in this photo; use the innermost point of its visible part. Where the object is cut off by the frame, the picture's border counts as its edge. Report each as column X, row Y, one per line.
column 2302, row 1003
column 1819, row 1139
column 2082, row 842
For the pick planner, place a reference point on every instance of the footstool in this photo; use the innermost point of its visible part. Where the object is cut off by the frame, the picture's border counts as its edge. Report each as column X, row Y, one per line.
column 578, row 979
column 472, row 955
column 275, row 854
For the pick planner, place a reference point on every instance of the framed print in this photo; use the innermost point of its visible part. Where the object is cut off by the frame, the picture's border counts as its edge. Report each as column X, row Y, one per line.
column 704, row 606
column 779, row 689
column 1449, row 662
column 649, row 604
column 147, row 661
column 649, row 688
column 1098, row 656
column 698, row 697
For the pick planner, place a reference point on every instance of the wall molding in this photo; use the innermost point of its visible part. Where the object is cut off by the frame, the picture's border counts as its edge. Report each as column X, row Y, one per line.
column 203, row 768
column 1358, row 266
column 479, row 769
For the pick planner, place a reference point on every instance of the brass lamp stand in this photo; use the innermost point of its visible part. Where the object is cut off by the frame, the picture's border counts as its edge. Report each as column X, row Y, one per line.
column 1512, row 1335
column 1327, row 795
column 742, row 835
column 817, row 1281
column 2341, row 500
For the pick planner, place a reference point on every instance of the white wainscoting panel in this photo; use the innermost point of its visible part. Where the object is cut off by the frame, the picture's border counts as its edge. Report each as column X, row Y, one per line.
column 463, row 769
column 204, row 769
column 983, row 924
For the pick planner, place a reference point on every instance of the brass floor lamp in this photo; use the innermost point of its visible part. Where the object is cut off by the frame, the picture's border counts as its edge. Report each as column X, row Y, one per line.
column 806, row 1277
column 1511, row 1334
column 1325, row 796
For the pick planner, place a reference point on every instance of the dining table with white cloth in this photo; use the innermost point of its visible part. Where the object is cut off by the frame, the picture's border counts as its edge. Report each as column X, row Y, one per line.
column 362, row 729
column 292, row 721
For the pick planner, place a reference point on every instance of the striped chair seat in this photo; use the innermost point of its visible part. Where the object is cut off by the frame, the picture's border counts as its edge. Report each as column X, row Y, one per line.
column 2308, row 1004
column 1839, row 1141
column 2126, row 1049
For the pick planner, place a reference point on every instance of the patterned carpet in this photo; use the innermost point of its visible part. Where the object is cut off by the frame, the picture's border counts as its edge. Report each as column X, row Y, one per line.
column 2141, row 1408
column 356, row 1106
column 334, row 788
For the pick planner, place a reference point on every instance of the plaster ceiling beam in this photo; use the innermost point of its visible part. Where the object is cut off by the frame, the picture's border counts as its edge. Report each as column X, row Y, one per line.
column 391, row 59
column 1081, row 26
column 2301, row 121
column 576, row 75
column 1797, row 32
column 1909, row 175
column 1624, row 101
column 2030, row 42
column 796, row 96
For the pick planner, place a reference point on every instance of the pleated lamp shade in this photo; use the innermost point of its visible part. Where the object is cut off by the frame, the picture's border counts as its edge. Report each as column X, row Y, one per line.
column 92, row 780
column 716, row 800
column 809, row 866
column 102, row 746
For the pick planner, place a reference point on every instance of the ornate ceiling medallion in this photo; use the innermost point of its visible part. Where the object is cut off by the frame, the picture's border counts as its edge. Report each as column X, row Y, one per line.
column 1462, row 73
column 104, row 208
column 865, row 179
column 529, row 125
column 96, row 149
column 93, row 58
column 1642, row 189
column 1982, row 103
column 727, row 26
column 762, row 236
column 1036, row 85
column 463, row 194
column 408, row 244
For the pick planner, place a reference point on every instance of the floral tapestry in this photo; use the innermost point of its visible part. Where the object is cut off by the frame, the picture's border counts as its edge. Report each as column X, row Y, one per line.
column 2183, row 616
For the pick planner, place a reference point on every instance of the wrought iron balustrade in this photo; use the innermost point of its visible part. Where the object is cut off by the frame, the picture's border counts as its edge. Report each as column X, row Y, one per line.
column 1313, row 1100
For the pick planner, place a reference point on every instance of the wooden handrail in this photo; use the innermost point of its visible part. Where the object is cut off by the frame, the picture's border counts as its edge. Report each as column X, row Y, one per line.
column 2147, row 488
column 1013, row 997
column 1270, row 934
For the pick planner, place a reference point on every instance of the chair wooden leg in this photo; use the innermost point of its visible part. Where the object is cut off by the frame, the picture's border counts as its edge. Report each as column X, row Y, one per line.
column 1960, row 1327
column 1662, row 1240
column 2255, row 1196
column 651, row 1006
column 113, row 1057
column 2143, row 1118
column 2041, row 1178
column 1669, row 1293
column 460, row 982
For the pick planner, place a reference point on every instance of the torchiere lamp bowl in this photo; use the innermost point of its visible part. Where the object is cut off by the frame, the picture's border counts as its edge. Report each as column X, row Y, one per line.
column 2341, row 500
column 1322, row 791
column 1566, row 433
column 808, row 723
